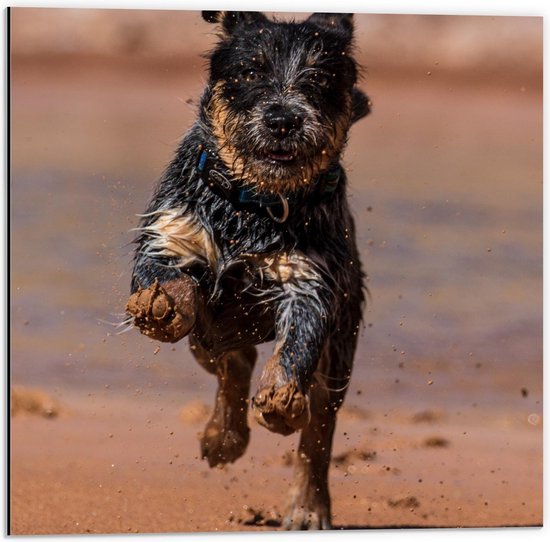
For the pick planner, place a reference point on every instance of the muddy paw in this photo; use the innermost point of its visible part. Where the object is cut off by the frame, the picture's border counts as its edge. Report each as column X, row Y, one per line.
column 156, row 314
column 303, row 519
column 282, row 410
column 220, row 445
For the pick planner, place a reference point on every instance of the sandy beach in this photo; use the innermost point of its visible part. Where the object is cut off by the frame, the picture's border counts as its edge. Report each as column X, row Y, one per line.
column 115, row 465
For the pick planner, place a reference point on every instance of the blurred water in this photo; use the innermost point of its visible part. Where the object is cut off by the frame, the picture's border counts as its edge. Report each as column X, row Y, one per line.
column 447, row 308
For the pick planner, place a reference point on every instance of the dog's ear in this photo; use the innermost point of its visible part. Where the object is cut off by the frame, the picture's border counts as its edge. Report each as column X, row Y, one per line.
column 230, row 20
column 360, row 105
column 340, row 22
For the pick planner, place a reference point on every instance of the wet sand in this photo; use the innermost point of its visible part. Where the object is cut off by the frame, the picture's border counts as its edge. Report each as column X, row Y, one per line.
column 119, row 465
column 443, row 420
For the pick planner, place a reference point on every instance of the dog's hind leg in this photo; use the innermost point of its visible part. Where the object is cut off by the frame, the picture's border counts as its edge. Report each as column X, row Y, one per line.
column 309, row 498
column 226, row 434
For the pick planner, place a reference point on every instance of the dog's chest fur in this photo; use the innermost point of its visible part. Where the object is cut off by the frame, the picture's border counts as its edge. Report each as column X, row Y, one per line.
column 178, row 235
column 192, row 229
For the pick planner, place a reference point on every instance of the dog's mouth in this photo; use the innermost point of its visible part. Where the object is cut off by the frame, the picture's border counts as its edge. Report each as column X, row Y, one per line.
column 280, row 156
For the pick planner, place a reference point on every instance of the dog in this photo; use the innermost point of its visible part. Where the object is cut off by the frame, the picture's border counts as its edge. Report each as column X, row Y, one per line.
column 248, row 238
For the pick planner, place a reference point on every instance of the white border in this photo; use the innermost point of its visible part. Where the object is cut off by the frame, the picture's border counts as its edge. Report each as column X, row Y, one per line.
column 450, row 7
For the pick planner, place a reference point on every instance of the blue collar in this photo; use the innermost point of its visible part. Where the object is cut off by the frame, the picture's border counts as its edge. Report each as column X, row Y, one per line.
column 245, row 197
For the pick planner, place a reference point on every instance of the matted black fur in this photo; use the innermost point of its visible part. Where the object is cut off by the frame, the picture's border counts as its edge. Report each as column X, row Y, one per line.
column 249, row 238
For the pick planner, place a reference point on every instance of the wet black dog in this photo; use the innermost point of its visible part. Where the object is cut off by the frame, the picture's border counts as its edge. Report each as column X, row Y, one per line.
column 249, row 238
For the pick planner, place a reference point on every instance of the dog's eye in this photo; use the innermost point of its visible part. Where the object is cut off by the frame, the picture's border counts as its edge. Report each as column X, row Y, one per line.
column 323, row 80
column 250, row 75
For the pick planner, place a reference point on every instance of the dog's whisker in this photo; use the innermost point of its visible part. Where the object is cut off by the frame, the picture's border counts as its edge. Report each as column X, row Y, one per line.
column 125, row 330
column 116, row 324
column 335, row 390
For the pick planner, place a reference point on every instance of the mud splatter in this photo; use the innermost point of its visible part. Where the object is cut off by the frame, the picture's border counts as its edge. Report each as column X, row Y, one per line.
column 194, row 412
column 436, row 442
column 427, row 416
column 351, row 456
column 288, row 458
column 257, row 517
column 33, row 401
column 409, row 501
column 353, row 413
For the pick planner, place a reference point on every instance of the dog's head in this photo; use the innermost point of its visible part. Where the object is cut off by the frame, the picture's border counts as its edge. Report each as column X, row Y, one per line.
column 282, row 96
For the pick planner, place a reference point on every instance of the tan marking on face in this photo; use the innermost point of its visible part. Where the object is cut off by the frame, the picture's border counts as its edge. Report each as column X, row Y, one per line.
column 255, row 174
column 338, row 140
column 222, row 125
column 179, row 236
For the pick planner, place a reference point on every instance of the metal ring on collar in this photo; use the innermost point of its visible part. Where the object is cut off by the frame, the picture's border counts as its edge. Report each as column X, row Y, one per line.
column 286, row 211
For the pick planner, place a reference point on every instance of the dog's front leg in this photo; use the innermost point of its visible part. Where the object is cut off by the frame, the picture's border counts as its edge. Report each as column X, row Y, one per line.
column 165, row 297
column 164, row 301
column 282, row 402
column 165, row 311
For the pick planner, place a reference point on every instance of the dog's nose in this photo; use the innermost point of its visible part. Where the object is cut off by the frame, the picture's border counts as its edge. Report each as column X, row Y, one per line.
column 281, row 122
